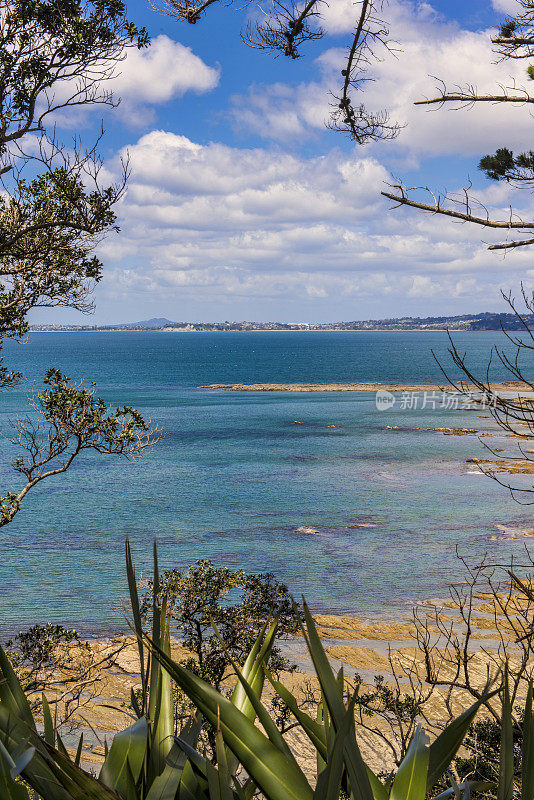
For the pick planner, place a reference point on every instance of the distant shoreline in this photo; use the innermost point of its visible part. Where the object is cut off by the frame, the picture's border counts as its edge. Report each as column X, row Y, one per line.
column 482, row 321
column 335, row 330
column 263, row 330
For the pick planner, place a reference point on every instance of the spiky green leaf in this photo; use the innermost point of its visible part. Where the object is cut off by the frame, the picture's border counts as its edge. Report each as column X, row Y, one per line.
column 128, row 750
column 411, row 778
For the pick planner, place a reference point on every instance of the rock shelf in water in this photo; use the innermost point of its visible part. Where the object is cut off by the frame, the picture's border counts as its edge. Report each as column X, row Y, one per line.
column 351, row 387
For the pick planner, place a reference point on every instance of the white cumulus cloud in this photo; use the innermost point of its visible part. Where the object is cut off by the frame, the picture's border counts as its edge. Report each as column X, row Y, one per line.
column 511, row 7
column 145, row 78
column 156, row 74
column 425, row 46
column 213, row 224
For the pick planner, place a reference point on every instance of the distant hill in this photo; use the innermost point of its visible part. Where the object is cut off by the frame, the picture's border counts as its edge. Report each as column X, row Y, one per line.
column 493, row 322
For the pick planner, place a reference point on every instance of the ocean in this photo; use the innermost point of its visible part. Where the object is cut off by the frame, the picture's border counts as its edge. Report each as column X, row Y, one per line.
column 237, row 480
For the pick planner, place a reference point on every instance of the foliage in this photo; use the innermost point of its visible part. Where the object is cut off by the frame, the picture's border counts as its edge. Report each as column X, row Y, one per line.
column 36, row 648
column 49, row 227
column 54, row 211
column 69, row 419
column 54, row 659
column 480, row 759
column 399, row 706
column 54, row 54
column 45, row 43
column 505, row 166
column 239, row 604
column 146, row 762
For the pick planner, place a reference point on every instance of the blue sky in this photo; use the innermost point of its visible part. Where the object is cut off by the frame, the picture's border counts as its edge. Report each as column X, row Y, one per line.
column 242, row 205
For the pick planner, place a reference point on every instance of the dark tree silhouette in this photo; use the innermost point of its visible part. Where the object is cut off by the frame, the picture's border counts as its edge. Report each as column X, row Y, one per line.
column 54, row 210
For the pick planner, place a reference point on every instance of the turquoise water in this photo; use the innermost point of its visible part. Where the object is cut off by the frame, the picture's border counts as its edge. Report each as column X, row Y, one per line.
column 237, row 481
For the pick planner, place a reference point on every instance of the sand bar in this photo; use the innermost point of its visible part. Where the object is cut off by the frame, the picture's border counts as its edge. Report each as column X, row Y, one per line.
column 353, row 387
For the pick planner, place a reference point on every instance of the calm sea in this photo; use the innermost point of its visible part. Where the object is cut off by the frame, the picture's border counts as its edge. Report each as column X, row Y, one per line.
column 237, row 481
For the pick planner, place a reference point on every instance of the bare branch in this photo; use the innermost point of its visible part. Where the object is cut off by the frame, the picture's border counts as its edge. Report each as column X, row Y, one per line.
column 284, row 28
column 402, row 198
column 362, row 125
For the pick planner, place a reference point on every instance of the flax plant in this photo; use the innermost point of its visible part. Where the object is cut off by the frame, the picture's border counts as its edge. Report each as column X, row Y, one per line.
column 147, row 762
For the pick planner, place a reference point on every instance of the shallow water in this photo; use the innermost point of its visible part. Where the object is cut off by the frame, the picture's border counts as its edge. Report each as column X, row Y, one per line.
column 236, row 480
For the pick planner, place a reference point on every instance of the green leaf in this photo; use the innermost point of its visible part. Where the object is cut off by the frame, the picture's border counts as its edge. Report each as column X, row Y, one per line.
column 411, row 778
column 37, row 772
column 75, row 781
column 61, row 746
column 219, row 778
column 22, row 762
column 253, row 695
column 329, row 780
column 377, row 787
column 138, row 626
column 131, row 788
column 320, row 759
column 78, row 756
column 505, row 788
column 155, row 669
column 444, row 748
column 49, row 735
column 254, row 672
column 275, row 774
column 165, row 786
column 197, row 762
column 357, row 771
column 189, row 785
column 253, row 669
column 527, row 749
column 127, row 750
column 9, row 790
column 322, row 666
column 163, row 722
column 12, row 694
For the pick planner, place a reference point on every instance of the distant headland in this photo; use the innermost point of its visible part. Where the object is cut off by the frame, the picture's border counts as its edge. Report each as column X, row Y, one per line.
column 486, row 321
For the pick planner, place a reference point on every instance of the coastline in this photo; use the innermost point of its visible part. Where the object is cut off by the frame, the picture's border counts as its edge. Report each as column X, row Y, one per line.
column 361, row 647
column 326, row 330
column 264, row 330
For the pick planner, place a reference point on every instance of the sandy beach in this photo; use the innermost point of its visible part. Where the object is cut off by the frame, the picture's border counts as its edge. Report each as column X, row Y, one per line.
column 361, row 646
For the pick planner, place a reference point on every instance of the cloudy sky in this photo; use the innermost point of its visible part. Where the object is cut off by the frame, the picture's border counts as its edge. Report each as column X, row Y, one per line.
column 242, row 205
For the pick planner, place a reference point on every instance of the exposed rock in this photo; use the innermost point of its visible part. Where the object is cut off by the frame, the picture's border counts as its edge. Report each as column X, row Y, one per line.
column 360, row 657
column 332, row 627
column 440, row 603
column 455, row 431
column 350, row 387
